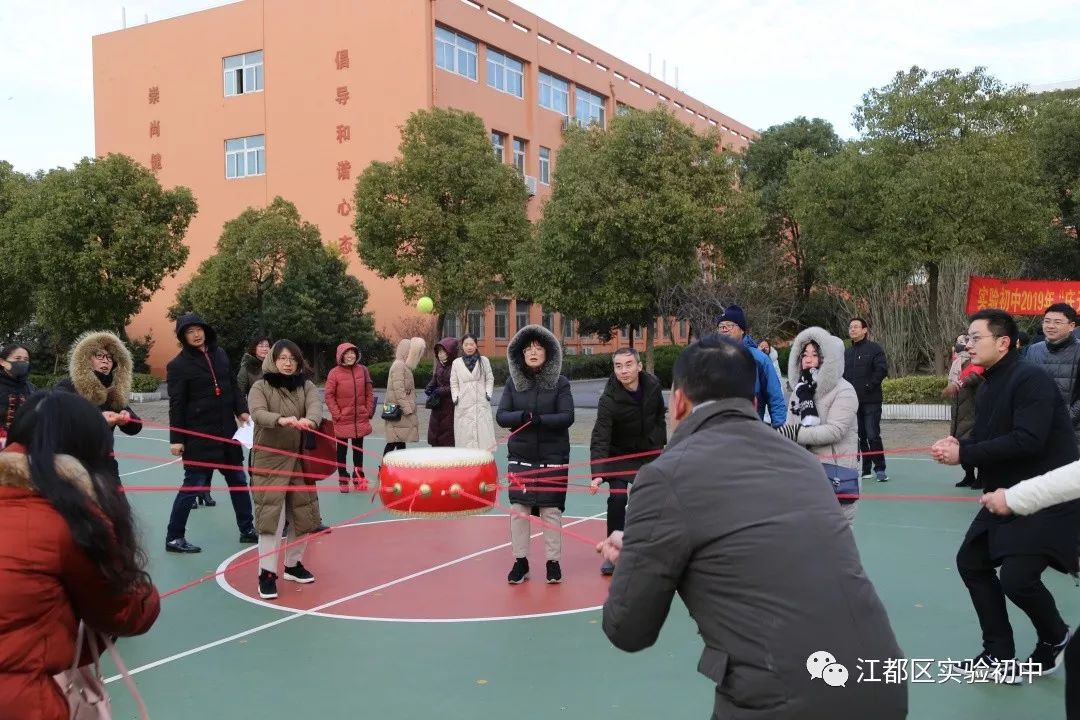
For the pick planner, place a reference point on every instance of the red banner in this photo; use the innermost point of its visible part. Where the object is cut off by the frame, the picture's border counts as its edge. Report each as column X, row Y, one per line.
column 1020, row 297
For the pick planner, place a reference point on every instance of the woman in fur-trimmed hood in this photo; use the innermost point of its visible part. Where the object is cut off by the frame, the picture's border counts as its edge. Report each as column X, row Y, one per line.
column 101, row 370
column 537, row 404
column 401, row 391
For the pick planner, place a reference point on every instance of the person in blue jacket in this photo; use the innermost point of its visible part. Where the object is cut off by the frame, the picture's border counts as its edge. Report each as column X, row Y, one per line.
column 768, row 391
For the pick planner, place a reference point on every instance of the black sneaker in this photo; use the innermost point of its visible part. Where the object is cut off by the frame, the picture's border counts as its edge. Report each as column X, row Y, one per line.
column 180, row 545
column 1046, row 658
column 249, row 536
column 267, row 585
column 520, row 572
column 299, row 573
column 554, row 572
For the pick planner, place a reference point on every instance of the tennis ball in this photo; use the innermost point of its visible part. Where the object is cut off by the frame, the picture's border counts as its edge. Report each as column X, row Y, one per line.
column 425, row 305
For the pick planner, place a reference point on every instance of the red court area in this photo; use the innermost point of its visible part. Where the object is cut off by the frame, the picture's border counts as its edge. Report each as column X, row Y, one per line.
column 421, row 570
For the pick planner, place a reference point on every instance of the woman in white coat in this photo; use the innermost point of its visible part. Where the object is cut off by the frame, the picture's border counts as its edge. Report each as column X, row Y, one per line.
column 824, row 406
column 471, row 385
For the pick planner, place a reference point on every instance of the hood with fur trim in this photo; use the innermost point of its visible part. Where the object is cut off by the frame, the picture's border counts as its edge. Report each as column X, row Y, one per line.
column 81, row 372
column 523, row 378
column 15, row 472
column 415, row 352
column 832, row 358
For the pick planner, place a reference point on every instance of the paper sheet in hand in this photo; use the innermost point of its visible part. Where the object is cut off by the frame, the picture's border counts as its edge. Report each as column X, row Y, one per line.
column 246, row 435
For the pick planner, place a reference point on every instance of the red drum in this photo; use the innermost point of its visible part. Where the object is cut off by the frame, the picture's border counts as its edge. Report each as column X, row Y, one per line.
column 438, row 482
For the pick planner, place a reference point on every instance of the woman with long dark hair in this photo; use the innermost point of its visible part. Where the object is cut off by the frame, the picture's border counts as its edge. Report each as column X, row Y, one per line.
column 69, row 551
column 15, row 385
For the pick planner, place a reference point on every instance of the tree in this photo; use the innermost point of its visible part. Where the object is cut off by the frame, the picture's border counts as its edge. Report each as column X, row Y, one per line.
column 944, row 168
column 764, row 176
column 442, row 217
column 16, row 271
column 231, row 287
column 632, row 208
column 94, row 243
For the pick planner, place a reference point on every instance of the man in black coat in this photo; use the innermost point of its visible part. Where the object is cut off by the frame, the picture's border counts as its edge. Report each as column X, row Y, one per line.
column 203, row 399
column 537, row 404
column 1021, row 430
column 745, row 526
column 866, row 367
column 630, row 420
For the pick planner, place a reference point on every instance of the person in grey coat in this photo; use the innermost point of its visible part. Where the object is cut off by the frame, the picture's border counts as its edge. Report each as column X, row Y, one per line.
column 762, row 557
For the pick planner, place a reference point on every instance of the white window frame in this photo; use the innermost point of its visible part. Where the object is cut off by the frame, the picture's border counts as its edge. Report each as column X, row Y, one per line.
column 594, row 105
column 239, row 72
column 554, row 87
column 245, row 153
column 498, row 145
column 505, row 73
column 544, row 168
column 462, row 53
column 519, row 154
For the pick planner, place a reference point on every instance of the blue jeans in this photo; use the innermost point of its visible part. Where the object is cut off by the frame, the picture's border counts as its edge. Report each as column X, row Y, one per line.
column 870, row 437
column 185, row 500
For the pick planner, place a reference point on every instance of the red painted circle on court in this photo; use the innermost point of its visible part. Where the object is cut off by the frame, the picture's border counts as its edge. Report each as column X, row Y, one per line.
column 421, row 570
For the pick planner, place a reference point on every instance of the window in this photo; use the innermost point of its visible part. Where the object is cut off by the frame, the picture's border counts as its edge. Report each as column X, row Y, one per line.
column 622, row 109
column 545, row 165
column 498, row 142
column 243, row 73
column 522, row 309
column 245, row 156
column 548, row 320
column 455, row 53
column 684, row 328
column 476, row 323
column 450, row 324
column 586, row 350
column 519, row 155
column 505, row 73
column 589, row 107
column 554, row 93
column 502, row 319
column 567, row 327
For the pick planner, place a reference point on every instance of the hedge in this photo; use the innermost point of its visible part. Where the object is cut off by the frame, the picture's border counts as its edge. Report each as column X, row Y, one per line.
column 922, row 389
column 140, row 382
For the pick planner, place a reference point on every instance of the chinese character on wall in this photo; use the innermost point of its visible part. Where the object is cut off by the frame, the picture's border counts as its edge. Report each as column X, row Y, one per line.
column 344, row 170
column 153, row 96
column 344, row 208
column 344, row 133
column 342, row 95
column 155, row 128
column 155, row 161
column 341, row 59
column 345, row 244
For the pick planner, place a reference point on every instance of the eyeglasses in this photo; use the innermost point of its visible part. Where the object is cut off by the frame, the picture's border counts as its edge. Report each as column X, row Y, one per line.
column 974, row 339
column 286, row 359
column 1054, row 322
column 102, row 355
column 727, row 325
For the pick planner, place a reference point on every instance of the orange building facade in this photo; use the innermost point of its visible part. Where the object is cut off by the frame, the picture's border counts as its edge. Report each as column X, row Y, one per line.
column 262, row 98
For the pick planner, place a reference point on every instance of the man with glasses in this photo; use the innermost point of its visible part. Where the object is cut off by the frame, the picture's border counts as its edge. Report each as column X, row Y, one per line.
column 1059, row 356
column 1022, row 430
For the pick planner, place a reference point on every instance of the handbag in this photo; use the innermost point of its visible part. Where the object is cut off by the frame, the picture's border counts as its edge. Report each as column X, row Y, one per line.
column 391, row 412
column 319, row 453
column 845, row 481
column 84, row 688
column 433, row 401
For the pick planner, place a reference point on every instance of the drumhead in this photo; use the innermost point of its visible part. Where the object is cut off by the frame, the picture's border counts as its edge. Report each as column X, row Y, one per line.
column 438, row 457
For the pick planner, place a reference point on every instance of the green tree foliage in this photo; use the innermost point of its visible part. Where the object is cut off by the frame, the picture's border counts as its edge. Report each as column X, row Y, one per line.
column 944, row 167
column 632, row 208
column 91, row 244
column 443, row 217
column 271, row 273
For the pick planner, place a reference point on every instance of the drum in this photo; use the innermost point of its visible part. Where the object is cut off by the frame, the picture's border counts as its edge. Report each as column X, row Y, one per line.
column 438, row 482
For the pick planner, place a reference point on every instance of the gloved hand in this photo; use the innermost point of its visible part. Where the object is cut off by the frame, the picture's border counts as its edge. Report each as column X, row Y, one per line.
column 526, row 418
column 791, row 432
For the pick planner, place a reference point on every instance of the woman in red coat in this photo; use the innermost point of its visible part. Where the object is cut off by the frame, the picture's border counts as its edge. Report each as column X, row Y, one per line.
column 351, row 400
column 68, row 552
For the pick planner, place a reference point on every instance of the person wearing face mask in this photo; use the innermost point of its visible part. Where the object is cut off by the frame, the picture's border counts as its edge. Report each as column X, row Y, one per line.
column 15, row 387
column 441, row 423
column 743, row 525
column 824, row 406
column 251, row 364
column 100, row 369
column 538, row 406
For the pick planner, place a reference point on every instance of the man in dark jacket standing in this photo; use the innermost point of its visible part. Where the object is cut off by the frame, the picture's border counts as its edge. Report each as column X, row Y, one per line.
column 866, row 367
column 1021, row 430
column 630, row 420
column 784, row 623
column 204, row 400
column 1059, row 356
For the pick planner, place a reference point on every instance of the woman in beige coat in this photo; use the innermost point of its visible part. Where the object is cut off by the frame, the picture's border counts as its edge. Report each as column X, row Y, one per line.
column 282, row 404
column 401, row 391
column 471, row 385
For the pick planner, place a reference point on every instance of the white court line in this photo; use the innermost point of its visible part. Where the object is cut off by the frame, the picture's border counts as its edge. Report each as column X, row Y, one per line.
column 156, row 467
column 317, row 608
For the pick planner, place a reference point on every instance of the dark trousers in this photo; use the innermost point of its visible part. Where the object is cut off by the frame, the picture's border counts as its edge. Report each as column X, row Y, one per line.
column 1020, row 581
column 1072, row 680
column 200, row 477
column 616, row 504
column 357, row 455
column 869, row 419
column 392, row 446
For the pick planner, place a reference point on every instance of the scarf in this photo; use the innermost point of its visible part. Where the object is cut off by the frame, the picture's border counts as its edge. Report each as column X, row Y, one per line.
column 802, row 400
column 470, row 361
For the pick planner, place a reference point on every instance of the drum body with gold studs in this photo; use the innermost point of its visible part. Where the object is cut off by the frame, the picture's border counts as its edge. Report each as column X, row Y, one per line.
column 440, row 481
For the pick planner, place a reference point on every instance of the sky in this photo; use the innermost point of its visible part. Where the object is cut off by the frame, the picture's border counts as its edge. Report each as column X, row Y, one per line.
column 762, row 62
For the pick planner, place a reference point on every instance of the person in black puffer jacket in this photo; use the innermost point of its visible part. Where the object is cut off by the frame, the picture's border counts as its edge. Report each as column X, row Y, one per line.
column 630, row 419
column 537, row 404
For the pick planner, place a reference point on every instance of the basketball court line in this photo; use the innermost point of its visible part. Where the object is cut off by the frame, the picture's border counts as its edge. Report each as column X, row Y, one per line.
column 303, row 613
column 232, row 590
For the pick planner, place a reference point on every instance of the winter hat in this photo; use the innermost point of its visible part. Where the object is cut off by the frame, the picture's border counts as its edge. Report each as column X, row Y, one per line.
column 734, row 314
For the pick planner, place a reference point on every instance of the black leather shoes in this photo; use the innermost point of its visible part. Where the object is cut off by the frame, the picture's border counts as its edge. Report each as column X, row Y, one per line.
column 180, row 545
column 249, row 536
